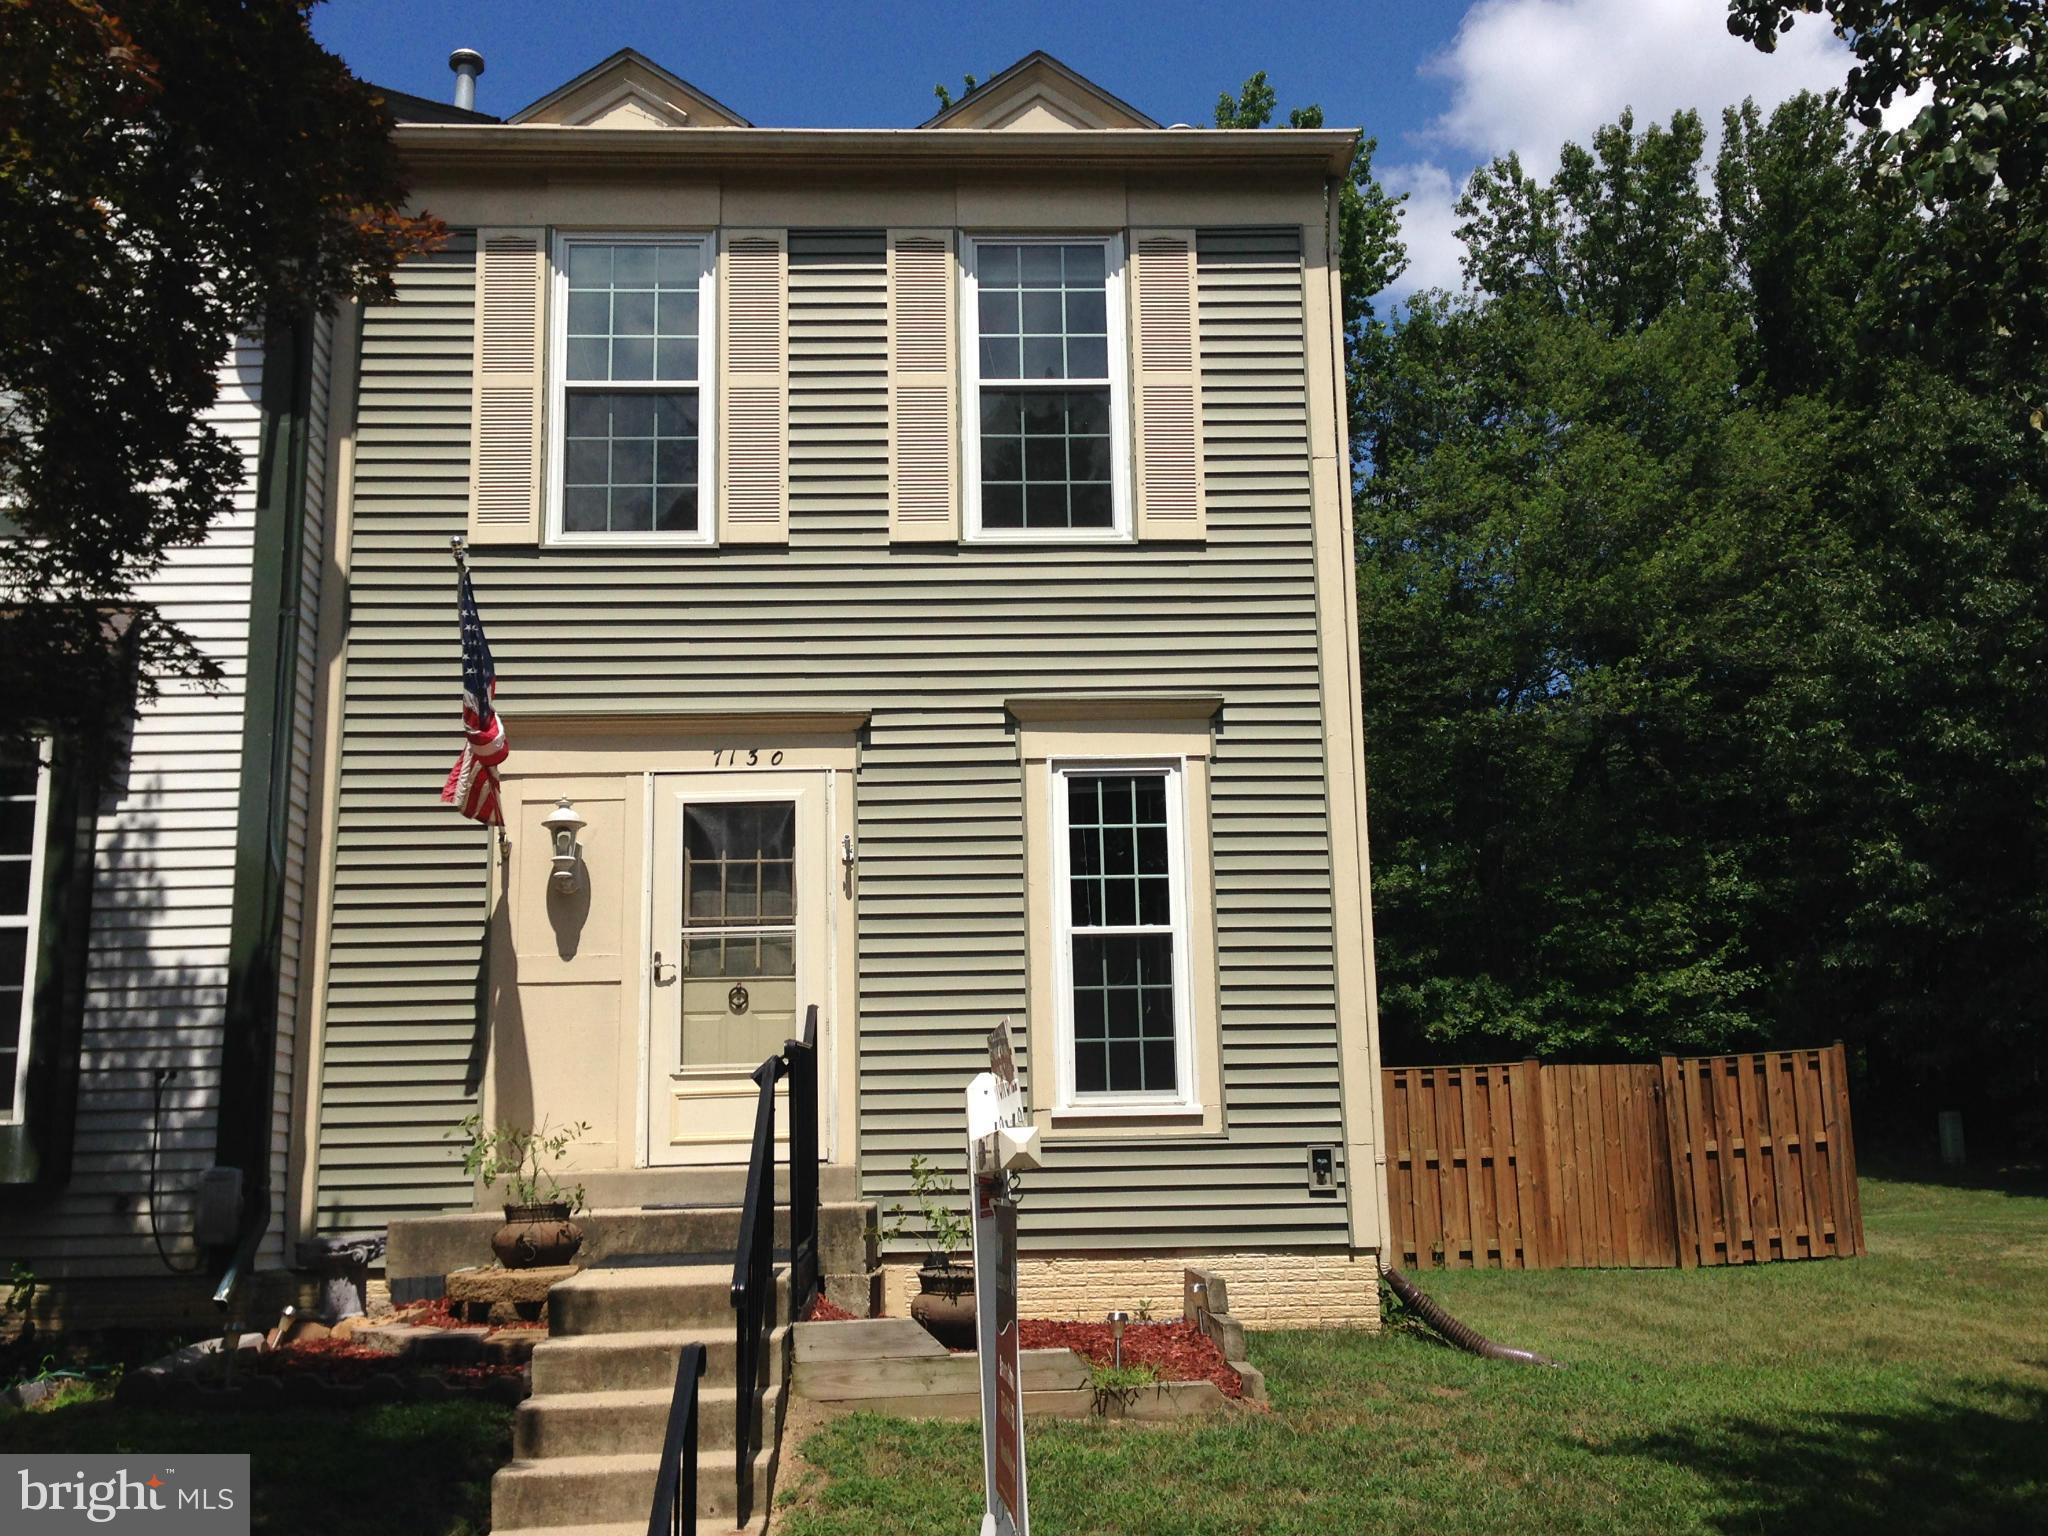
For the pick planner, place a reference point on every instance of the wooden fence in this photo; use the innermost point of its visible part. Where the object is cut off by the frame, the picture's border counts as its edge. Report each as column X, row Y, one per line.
column 1694, row 1160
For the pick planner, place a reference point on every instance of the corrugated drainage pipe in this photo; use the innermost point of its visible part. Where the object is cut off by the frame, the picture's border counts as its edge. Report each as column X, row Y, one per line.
column 1447, row 1325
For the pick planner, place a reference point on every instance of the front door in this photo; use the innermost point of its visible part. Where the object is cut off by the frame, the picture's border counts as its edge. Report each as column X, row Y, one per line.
column 738, row 911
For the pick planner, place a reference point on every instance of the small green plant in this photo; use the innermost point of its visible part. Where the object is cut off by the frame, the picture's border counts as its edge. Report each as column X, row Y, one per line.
column 522, row 1158
column 929, row 1218
column 1119, row 1384
column 1143, row 1309
column 23, row 1287
column 1395, row 1315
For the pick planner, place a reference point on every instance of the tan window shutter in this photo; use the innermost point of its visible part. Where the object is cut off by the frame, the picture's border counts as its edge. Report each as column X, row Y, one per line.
column 924, row 474
column 1166, row 369
column 753, row 402
column 505, row 449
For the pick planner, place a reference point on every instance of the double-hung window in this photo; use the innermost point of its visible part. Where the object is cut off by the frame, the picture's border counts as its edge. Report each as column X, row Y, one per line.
column 1122, row 911
column 24, row 814
column 1046, row 440
column 631, row 402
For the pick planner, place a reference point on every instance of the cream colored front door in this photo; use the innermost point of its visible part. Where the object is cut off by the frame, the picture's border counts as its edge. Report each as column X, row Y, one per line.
column 739, row 904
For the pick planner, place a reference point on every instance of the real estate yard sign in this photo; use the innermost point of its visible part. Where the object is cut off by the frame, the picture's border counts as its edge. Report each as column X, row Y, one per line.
column 993, row 1101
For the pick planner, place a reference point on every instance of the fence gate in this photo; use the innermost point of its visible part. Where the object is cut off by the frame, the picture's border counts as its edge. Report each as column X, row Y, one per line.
column 1694, row 1160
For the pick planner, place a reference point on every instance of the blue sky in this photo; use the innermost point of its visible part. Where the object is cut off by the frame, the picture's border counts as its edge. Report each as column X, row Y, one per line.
column 1444, row 86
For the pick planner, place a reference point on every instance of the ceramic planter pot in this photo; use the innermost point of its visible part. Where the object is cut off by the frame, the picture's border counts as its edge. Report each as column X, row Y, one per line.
column 945, row 1302
column 537, row 1235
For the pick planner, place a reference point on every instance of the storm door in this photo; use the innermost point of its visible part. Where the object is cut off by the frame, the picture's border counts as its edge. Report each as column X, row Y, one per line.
column 737, row 921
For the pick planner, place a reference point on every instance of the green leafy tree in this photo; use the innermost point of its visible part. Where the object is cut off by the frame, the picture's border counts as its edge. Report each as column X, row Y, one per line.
column 1705, row 619
column 173, row 174
column 1616, row 236
column 969, row 85
column 1582, row 558
column 1974, row 157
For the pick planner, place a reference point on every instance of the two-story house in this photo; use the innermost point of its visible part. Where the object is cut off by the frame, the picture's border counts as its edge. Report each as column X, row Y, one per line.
column 921, row 559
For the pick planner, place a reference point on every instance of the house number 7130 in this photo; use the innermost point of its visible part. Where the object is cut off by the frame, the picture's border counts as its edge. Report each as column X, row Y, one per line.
column 744, row 757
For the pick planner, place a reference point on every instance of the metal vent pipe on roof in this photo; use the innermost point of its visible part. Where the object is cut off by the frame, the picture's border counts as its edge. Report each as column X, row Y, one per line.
column 467, row 64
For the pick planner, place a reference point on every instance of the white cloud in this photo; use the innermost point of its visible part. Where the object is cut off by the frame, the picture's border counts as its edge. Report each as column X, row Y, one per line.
column 1529, row 75
column 1428, row 226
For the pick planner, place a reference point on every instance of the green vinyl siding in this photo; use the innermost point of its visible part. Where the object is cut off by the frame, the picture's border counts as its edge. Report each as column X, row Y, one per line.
column 930, row 639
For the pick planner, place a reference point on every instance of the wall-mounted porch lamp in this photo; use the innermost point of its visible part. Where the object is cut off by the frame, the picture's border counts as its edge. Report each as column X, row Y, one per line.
column 563, row 824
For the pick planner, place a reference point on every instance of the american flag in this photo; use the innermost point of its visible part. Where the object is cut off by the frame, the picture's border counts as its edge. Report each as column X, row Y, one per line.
column 472, row 786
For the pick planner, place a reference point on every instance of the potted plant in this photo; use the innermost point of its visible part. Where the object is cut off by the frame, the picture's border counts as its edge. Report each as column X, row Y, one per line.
column 538, row 1227
column 945, row 1300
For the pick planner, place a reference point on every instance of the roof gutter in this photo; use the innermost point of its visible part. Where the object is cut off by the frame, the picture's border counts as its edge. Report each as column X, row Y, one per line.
column 554, row 147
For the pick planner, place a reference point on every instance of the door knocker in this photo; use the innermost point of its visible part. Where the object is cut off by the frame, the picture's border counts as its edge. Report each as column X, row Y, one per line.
column 736, row 999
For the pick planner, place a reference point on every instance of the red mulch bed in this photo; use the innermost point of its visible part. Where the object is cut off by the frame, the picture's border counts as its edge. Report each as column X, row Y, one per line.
column 437, row 1314
column 1177, row 1351
column 342, row 1360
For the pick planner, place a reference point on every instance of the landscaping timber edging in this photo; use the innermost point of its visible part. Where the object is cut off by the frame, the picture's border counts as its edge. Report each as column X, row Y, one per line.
column 891, row 1365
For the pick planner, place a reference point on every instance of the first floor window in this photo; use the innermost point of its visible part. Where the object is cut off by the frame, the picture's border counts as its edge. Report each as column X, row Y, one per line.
column 1123, row 919
column 1045, row 366
column 630, row 391
column 24, row 810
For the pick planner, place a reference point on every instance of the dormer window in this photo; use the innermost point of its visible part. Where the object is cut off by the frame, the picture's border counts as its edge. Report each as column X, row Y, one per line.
column 1046, row 440
column 630, row 458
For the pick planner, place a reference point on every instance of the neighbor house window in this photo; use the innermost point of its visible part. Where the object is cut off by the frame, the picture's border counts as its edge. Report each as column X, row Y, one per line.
column 1122, row 910
column 1046, row 448
column 631, row 402
column 24, row 814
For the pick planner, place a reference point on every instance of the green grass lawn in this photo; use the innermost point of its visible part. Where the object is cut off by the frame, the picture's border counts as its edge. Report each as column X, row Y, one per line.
column 405, row 1469
column 1905, row 1391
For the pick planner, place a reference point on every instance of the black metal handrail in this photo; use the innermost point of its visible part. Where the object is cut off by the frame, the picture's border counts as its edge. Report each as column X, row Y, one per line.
column 753, row 1282
column 675, row 1485
column 802, row 1059
column 753, row 1271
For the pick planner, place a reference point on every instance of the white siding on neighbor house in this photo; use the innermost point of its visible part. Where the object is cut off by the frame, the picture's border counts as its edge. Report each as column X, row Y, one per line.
column 163, row 886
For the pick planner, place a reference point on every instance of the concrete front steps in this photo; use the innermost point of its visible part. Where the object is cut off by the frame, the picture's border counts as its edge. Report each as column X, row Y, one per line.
column 586, row 1445
column 423, row 1250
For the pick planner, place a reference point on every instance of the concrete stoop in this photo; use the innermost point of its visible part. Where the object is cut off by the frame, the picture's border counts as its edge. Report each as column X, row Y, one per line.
column 423, row 1250
column 586, row 1444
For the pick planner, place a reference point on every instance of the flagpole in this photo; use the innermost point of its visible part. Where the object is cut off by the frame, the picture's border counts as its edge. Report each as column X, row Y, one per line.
column 480, row 1037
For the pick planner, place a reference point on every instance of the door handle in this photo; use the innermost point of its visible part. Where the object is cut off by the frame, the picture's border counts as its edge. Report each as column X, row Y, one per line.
column 659, row 979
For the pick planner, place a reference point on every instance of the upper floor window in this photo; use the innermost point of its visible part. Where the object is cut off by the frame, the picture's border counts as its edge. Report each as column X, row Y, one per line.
column 24, row 811
column 630, row 456
column 1046, row 437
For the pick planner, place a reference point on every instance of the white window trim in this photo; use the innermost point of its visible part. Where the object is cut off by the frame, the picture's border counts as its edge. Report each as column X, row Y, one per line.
column 1120, row 470
column 31, row 920
column 706, row 532
column 1066, row 1100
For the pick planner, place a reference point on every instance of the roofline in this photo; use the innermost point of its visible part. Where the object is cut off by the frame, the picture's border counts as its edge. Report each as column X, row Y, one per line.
column 1036, row 56
column 487, row 147
column 606, row 63
column 408, row 107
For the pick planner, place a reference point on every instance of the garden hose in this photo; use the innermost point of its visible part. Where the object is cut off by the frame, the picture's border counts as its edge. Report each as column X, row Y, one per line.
column 1449, row 1327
